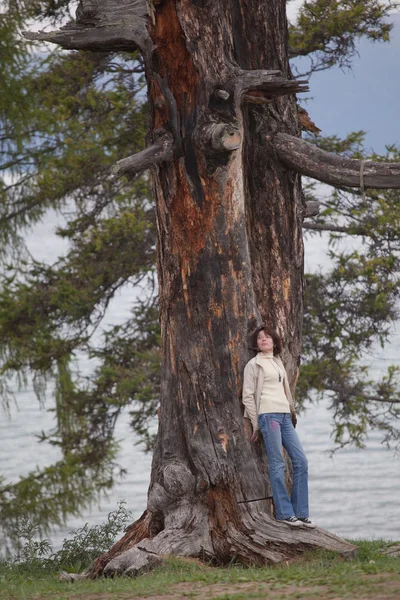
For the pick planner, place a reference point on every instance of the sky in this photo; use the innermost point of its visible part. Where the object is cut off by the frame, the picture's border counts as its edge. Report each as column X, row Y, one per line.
column 363, row 98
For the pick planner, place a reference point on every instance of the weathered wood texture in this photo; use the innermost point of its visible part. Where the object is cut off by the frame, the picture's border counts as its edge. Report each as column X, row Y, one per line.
column 104, row 25
column 312, row 209
column 230, row 255
column 307, row 159
column 336, row 228
column 161, row 151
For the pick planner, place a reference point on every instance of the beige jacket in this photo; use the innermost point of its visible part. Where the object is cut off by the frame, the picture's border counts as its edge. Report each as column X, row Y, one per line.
column 253, row 379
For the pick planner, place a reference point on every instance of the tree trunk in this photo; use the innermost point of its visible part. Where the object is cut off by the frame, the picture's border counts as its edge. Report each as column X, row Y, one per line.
column 230, row 256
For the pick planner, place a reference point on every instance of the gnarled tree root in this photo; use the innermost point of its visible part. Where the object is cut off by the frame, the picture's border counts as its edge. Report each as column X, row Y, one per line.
column 255, row 539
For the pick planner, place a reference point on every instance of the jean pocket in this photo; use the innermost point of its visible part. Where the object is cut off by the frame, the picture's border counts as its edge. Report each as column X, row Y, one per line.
column 262, row 420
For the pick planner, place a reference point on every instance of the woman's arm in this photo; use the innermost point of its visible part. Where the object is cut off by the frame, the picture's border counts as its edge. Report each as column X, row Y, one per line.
column 249, row 395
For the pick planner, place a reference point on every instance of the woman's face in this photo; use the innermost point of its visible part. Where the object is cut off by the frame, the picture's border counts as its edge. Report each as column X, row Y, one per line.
column 265, row 342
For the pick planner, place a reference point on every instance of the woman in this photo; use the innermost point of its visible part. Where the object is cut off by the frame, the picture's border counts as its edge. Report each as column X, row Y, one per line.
column 269, row 405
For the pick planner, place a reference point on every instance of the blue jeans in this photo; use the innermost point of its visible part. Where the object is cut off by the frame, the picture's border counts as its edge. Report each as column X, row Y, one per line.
column 278, row 431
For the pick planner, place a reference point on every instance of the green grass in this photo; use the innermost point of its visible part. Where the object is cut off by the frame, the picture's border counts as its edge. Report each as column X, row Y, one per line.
column 318, row 575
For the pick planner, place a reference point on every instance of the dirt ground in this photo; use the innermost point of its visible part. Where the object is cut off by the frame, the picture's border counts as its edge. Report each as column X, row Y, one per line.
column 379, row 586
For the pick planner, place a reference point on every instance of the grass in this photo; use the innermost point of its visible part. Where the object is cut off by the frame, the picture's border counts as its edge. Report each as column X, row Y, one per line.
column 319, row 574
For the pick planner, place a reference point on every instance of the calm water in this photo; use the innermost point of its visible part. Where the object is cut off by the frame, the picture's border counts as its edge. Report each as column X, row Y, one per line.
column 354, row 493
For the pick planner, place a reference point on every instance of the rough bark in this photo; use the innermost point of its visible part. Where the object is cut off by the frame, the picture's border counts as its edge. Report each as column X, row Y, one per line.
column 230, row 255
column 307, row 159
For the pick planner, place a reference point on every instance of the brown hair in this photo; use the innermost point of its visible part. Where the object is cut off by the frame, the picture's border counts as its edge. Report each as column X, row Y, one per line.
column 275, row 337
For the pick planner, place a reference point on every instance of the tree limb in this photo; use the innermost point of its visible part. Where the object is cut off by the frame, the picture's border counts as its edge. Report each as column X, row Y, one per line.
column 161, row 151
column 335, row 228
column 307, row 159
column 105, row 26
column 271, row 83
column 115, row 38
column 312, row 209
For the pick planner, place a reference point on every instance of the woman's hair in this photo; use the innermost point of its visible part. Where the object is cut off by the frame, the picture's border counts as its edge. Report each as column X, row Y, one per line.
column 268, row 331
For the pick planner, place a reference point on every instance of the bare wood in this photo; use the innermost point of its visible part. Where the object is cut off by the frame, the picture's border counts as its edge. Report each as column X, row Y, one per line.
column 132, row 563
column 312, row 209
column 161, row 151
column 223, row 94
column 116, row 38
column 223, row 136
column 72, row 577
column 102, row 25
column 307, row 159
column 257, row 98
column 335, row 228
column 270, row 81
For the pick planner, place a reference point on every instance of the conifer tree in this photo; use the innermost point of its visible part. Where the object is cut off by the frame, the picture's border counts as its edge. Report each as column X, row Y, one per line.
column 82, row 113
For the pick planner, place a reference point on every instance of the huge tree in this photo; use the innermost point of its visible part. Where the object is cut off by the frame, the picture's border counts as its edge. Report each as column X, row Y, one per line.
column 79, row 113
column 226, row 156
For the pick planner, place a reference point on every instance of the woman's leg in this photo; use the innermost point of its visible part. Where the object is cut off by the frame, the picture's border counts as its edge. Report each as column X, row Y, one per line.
column 270, row 427
column 292, row 445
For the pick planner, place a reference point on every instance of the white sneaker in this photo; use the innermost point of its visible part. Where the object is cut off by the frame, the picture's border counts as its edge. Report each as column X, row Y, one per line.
column 292, row 521
column 306, row 522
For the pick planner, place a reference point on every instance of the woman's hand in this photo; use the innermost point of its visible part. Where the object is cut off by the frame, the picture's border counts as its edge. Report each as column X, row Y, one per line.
column 294, row 419
column 254, row 437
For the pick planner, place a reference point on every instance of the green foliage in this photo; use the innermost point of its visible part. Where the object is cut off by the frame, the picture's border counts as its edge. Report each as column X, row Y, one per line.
column 85, row 113
column 31, row 550
column 326, row 31
column 49, row 495
column 350, row 310
column 21, row 10
column 88, row 543
column 129, row 374
column 77, row 552
column 73, row 117
column 370, row 574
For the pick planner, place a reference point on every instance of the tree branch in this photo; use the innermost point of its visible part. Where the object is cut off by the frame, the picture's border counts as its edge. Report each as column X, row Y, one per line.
column 307, row 159
column 271, row 83
column 312, row 209
column 161, row 151
column 111, row 39
column 105, row 26
column 335, row 228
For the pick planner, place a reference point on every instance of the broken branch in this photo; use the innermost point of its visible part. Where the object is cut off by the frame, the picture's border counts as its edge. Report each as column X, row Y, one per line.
column 335, row 228
column 161, row 151
column 270, row 82
column 312, row 209
column 307, row 159
column 223, row 136
column 108, row 26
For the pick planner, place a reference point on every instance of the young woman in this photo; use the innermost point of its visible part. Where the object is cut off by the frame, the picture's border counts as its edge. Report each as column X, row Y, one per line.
column 269, row 405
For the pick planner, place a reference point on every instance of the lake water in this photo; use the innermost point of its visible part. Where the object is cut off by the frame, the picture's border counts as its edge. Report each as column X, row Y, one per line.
column 353, row 493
